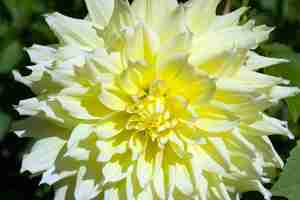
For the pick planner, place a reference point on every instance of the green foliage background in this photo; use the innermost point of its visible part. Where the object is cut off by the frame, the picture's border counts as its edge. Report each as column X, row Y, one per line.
column 22, row 24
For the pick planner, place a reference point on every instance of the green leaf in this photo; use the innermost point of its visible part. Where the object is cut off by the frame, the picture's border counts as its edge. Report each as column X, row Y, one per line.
column 289, row 71
column 270, row 5
column 294, row 107
column 10, row 57
column 289, row 182
column 4, row 124
column 4, row 27
column 291, row 10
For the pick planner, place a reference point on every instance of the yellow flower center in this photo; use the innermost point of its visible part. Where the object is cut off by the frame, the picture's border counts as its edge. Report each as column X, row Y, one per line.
column 151, row 112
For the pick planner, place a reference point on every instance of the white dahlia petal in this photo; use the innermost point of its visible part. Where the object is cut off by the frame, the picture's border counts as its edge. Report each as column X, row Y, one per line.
column 100, row 11
column 154, row 100
column 36, row 161
column 61, row 193
column 41, row 54
column 201, row 14
column 255, row 61
column 230, row 19
column 85, row 189
column 77, row 32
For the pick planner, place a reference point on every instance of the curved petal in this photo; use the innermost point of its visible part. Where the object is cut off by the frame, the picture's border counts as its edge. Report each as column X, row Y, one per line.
column 256, row 62
column 78, row 32
column 78, row 134
column 227, row 20
column 201, row 14
column 41, row 54
column 100, row 11
column 122, row 19
column 151, row 12
column 216, row 43
column 183, row 80
column 85, row 189
column 36, row 161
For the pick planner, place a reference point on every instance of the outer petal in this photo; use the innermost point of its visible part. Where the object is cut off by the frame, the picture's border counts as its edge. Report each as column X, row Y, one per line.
column 204, row 160
column 77, row 32
column 152, row 11
column 85, row 189
column 280, row 92
column 226, row 64
column 36, row 161
column 61, row 193
column 111, row 194
column 36, row 75
column 255, row 61
column 100, row 11
column 272, row 126
column 41, row 54
column 79, row 133
column 142, row 44
column 179, row 44
column 33, row 107
column 108, row 129
column 121, row 20
column 216, row 43
column 112, row 172
column 146, row 194
column 105, row 62
column 37, row 128
column 159, row 176
column 211, row 125
column 108, row 149
column 172, row 25
column 230, row 19
column 200, row 14
column 144, row 170
column 74, row 108
column 183, row 179
column 50, row 176
column 249, row 81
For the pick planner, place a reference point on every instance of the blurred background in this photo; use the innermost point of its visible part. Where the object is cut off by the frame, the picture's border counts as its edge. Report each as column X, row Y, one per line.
column 22, row 24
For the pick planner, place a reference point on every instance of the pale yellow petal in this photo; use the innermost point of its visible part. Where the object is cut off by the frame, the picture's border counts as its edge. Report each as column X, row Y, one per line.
column 112, row 101
column 122, row 18
column 100, row 11
column 151, row 12
column 142, row 44
column 201, row 14
column 172, row 25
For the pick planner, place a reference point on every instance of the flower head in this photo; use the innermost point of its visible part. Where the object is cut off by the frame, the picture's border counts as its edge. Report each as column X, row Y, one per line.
column 153, row 100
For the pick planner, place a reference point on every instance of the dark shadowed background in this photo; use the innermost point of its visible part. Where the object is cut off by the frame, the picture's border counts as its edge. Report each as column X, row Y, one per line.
column 22, row 24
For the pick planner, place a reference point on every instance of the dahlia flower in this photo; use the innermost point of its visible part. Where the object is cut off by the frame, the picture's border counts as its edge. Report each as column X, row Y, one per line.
column 150, row 101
